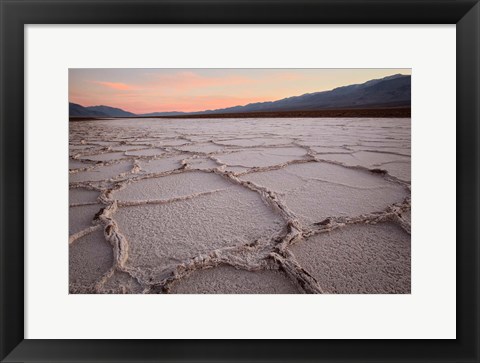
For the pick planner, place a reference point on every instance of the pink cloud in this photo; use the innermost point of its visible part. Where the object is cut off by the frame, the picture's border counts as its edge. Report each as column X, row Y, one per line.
column 116, row 85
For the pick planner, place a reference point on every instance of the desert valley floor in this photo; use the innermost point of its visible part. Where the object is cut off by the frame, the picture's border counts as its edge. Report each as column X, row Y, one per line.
column 306, row 205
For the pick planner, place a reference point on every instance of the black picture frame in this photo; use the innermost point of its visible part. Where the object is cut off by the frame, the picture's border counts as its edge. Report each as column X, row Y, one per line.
column 15, row 14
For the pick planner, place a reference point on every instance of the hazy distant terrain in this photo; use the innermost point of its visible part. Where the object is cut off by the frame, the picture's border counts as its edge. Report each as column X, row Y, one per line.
column 284, row 205
column 388, row 91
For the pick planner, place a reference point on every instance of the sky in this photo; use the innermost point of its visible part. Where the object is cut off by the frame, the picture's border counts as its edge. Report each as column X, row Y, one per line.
column 146, row 90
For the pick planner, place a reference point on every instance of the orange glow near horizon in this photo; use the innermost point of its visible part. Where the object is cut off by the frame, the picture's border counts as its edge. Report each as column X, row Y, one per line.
column 188, row 90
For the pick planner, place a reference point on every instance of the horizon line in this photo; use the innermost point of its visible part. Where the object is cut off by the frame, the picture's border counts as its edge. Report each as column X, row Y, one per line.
column 242, row 105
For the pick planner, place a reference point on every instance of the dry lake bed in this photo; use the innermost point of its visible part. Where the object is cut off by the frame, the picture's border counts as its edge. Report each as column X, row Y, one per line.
column 249, row 206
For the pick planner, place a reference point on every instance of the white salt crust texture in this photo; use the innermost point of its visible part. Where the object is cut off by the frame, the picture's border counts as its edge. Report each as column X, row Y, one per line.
column 100, row 173
column 315, row 191
column 171, row 186
column 358, row 259
column 78, row 164
column 90, row 257
column 161, row 165
column 81, row 195
column 163, row 235
column 81, row 217
column 396, row 165
column 121, row 283
column 105, row 157
column 262, row 157
column 236, row 205
column 228, row 280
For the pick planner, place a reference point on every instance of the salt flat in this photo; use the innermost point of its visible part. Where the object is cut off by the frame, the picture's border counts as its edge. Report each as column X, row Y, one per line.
column 299, row 205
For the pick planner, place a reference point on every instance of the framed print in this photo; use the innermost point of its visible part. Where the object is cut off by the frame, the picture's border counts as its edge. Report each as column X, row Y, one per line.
column 239, row 181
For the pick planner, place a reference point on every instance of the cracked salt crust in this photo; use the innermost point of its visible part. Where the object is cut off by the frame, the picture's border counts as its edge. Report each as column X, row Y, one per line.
column 81, row 217
column 121, row 283
column 102, row 172
column 161, row 165
column 163, row 235
column 201, row 148
column 369, row 259
column 261, row 157
column 202, row 163
column 127, row 147
column 90, row 259
column 146, row 152
column 253, row 142
column 77, row 164
column 228, row 280
column 105, row 157
column 315, row 191
column 173, row 142
column 396, row 165
column 81, row 195
column 240, row 206
column 171, row 186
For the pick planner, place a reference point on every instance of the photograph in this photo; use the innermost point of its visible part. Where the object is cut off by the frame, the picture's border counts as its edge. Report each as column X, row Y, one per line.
column 239, row 181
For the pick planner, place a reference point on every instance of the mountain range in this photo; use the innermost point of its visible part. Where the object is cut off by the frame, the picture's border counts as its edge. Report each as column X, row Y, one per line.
column 391, row 91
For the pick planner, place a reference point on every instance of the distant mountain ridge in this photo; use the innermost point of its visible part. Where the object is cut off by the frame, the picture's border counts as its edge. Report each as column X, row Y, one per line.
column 97, row 111
column 388, row 92
column 391, row 91
column 111, row 111
column 76, row 110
